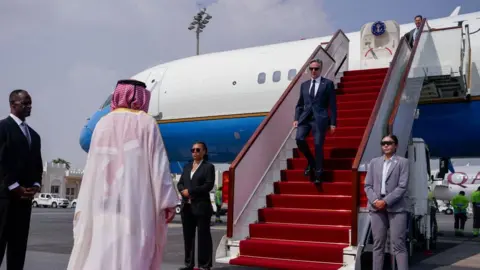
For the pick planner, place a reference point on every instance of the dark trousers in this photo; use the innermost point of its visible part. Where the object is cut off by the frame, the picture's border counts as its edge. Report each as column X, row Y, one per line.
column 433, row 216
column 318, row 138
column 190, row 223
column 460, row 220
column 219, row 208
column 476, row 215
column 14, row 228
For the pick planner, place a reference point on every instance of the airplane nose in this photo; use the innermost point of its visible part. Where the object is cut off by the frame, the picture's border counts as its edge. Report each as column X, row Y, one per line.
column 85, row 138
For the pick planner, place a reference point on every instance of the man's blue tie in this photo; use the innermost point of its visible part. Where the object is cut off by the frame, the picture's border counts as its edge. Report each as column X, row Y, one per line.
column 312, row 90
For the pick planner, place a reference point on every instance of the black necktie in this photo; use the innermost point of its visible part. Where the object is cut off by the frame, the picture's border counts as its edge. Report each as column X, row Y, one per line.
column 312, row 90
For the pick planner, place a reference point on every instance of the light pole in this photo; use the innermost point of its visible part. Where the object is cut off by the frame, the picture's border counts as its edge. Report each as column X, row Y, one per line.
column 198, row 24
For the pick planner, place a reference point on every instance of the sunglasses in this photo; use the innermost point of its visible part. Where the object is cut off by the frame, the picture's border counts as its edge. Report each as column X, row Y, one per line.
column 387, row 143
column 195, row 150
column 314, row 68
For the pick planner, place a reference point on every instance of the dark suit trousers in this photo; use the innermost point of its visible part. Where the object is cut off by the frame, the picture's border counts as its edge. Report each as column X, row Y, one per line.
column 190, row 223
column 318, row 137
column 14, row 228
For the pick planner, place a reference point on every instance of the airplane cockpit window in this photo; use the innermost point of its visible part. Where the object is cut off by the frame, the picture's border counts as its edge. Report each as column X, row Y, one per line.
column 277, row 75
column 107, row 102
column 291, row 74
column 261, row 78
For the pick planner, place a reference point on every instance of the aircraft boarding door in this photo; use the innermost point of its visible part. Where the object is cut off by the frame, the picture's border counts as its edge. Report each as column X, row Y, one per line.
column 154, row 84
column 378, row 43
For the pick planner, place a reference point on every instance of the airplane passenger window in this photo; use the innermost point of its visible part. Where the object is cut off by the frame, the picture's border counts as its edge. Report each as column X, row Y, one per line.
column 107, row 102
column 276, row 76
column 291, row 74
column 261, row 78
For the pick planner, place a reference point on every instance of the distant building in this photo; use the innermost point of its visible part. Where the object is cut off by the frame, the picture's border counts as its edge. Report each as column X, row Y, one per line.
column 57, row 179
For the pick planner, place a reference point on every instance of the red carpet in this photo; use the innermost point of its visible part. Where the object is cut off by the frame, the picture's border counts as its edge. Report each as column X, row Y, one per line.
column 306, row 226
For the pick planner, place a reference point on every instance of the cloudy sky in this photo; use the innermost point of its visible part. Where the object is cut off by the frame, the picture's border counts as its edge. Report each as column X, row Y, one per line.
column 69, row 54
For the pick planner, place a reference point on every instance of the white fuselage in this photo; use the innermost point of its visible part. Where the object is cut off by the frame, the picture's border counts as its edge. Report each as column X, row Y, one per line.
column 225, row 83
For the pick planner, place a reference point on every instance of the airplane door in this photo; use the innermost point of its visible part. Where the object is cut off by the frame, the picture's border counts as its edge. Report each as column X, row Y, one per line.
column 154, row 84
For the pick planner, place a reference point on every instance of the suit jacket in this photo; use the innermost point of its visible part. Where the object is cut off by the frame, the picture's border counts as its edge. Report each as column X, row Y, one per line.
column 396, row 184
column 198, row 186
column 19, row 161
column 409, row 36
column 324, row 98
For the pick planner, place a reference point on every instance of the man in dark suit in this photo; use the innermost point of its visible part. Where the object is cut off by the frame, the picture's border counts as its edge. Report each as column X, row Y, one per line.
column 21, row 172
column 415, row 32
column 311, row 113
column 195, row 184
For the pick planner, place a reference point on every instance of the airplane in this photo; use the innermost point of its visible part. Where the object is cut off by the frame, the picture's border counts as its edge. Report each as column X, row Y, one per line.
column 229, row 94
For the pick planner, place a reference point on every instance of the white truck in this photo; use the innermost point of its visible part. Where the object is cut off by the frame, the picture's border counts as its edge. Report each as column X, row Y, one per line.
column 50, row 200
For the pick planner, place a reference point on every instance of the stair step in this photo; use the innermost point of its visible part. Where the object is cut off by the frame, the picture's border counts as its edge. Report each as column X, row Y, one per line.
column 333, row 202
column 357, row 97
column 305, row 216
column 343, row 131
column 329, row 175
column 358, row 90
column 328, row 164
column 365, row 71
column 309, row 188
column 352, row 114
column 362, row 77
column 340, row 142
column 346, row 105
column 272, row 263
column 329, row 152
column 300, row 232
column 372, row 83
column 308, row 251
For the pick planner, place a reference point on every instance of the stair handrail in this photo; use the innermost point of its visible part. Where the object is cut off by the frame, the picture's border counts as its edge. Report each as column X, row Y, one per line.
column 393, row 113
column 468, row 64
column 329, row 63
column 360, row 156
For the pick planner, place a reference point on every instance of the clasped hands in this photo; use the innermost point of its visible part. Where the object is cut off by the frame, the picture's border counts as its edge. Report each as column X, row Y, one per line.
column 380, row 204
column 26, row 193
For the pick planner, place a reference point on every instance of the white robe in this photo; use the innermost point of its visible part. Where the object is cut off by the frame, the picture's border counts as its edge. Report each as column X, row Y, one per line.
column 120, row 221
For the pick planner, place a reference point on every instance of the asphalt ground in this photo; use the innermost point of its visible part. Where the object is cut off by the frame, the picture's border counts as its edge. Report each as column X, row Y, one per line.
column 51, row 240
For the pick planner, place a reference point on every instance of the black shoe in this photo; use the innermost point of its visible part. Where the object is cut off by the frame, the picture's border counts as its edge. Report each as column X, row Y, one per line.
column 308, row 170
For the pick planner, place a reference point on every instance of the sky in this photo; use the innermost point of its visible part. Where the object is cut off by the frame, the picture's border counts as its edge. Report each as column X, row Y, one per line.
column 70, row 54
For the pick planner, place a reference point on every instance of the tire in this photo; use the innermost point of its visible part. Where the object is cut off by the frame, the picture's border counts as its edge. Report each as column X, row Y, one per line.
column 178, row 209
column 449, row 212
column 35, row 204
column 54, row 205
column 74, row 205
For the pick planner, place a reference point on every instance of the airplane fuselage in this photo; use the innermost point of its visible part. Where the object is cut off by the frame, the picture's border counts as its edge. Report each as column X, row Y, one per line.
column 221, row 98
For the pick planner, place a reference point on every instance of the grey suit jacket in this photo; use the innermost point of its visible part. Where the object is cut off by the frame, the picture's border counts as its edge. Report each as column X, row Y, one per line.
column 396, row 184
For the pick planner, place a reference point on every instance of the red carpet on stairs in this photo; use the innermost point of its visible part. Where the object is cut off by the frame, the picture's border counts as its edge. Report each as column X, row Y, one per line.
column 306, row 226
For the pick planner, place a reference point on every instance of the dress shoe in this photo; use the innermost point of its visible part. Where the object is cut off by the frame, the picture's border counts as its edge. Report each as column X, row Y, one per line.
column 307, row 171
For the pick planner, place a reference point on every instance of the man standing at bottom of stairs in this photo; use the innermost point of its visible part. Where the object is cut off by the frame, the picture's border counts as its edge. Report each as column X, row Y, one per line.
column 386, row 185
column 460, row 204
column 476, row 211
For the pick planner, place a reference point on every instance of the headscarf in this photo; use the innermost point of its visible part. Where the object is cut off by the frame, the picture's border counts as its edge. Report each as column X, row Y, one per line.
column 131, row 94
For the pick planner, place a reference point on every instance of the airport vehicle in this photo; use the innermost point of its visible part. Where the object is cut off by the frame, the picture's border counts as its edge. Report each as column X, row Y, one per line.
column 50, row 200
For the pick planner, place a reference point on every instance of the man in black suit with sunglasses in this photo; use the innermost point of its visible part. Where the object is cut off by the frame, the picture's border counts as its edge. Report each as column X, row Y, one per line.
column 311, row 114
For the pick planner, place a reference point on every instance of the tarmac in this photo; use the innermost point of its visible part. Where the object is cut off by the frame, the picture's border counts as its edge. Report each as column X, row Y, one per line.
column 51, row 240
